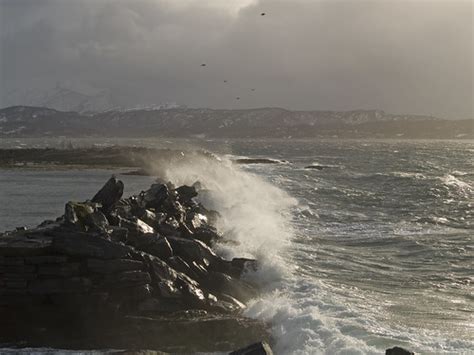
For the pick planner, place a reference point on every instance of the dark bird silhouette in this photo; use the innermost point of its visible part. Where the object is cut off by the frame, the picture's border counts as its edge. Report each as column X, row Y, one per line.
column 225, row 81
column 252, row 89
column 203, row 64
column 263, row 14
column 237, row 98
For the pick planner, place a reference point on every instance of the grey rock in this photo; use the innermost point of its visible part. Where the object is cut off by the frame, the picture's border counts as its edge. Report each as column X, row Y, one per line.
column 206, row 234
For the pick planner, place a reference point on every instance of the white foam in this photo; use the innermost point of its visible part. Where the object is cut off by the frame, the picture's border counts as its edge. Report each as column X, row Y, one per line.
column 254, row 213
column 307, row 316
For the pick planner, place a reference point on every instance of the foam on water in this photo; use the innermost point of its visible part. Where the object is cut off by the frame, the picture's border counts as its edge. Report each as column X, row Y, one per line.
column 456, row 184
column 307, row 315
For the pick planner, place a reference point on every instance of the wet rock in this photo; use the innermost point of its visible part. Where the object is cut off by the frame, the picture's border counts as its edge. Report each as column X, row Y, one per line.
column 109, row 194
column 244, row 264
column 118, row 234
column 195, row 220
column 136, row 226
column 149, row 217
column 170, row 227
column 398, row 351
column 111, row 257
column 227, row 304
column 261, row 348
column 206, row 234
column 180, row 265
column 153, row 244
column 113, row 266
column 86, row 216
column 193, row 250
column 155, row 196
column 221, row 283
column 186, row 193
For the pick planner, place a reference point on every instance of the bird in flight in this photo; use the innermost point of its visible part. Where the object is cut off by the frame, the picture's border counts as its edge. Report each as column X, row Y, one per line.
column 237, row 98
column 225, row 81
column 263, row 14
column 252, row 89
column 203, row 64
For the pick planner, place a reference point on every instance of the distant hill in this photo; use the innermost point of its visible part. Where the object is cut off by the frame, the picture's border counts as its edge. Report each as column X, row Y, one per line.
column 67, row 99
column 27, row 121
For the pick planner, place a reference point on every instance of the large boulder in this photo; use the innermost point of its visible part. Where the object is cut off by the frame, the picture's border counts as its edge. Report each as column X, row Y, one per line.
column 398, row 351
column 186, row 193
column 224, row 284
column 85, row 216
column 155, row 196
column 193, row 250
column 109, row 194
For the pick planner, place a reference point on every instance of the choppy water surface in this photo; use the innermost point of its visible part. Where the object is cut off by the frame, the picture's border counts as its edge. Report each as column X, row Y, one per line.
column 380, row 241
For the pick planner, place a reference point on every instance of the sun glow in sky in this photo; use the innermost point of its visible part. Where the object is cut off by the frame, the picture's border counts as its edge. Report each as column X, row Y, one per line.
column 230, row 6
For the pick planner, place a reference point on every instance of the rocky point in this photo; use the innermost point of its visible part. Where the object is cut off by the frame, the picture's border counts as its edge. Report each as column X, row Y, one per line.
column 127, row 273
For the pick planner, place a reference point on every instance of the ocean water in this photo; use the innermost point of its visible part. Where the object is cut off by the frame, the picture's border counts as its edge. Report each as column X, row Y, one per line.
column 374, row 250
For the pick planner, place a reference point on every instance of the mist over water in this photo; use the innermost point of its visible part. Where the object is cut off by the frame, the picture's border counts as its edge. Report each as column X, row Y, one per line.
column 372, row 251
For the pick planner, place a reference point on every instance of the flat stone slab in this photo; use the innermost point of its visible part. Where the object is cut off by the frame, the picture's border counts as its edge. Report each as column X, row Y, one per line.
column 25, row 245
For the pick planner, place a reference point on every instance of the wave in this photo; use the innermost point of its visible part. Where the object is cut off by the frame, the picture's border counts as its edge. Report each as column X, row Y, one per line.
column 456, row 185
column 254, row 213
column 307, row 316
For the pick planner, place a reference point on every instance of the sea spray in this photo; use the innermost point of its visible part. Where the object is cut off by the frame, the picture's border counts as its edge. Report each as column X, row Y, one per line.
column 255, row 216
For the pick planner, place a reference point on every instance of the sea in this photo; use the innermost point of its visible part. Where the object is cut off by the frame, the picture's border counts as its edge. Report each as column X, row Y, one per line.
column 364, row 244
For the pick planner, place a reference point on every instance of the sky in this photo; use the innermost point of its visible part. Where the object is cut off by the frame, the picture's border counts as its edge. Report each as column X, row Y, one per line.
column 401, row 56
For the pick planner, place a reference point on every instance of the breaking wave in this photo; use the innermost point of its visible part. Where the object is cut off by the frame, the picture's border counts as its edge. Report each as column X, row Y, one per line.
column 254, row 213
column 307, row 315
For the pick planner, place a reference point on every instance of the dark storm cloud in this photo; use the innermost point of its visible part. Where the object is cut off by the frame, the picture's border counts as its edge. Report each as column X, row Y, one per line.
column 401, row 56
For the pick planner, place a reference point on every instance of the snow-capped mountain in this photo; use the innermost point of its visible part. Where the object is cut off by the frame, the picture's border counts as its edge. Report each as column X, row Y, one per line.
column 63, row 98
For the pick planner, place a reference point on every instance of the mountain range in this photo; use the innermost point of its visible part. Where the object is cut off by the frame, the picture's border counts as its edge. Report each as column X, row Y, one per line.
column 64, row 98
column 159, row 121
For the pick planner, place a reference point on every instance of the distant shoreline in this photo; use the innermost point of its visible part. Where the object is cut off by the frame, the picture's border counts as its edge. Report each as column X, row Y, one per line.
column 263, row 123
column 131, row 158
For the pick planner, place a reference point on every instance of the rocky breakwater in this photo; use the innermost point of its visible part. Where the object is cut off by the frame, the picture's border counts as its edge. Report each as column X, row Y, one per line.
column 135, row 273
